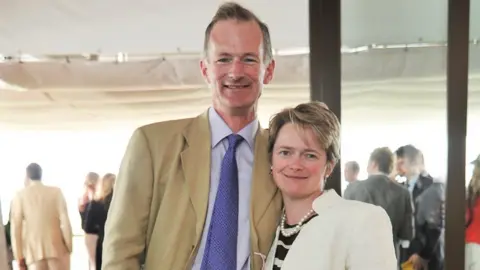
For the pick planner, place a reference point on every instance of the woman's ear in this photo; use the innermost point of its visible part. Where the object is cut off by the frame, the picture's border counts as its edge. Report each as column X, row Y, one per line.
column 329, row 169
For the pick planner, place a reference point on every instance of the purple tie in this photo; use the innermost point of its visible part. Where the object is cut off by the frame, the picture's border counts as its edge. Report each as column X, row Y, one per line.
column 221, row 247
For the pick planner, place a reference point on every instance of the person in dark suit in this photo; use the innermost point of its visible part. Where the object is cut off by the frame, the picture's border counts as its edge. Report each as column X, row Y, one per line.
column 426, row 248
column 96, row 214
column 378, row 189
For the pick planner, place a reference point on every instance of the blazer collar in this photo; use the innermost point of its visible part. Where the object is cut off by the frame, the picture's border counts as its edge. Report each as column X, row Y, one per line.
column 195, row 160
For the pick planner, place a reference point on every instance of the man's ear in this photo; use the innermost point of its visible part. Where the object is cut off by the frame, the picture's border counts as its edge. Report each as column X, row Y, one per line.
column 269, row 72
column 204, row 70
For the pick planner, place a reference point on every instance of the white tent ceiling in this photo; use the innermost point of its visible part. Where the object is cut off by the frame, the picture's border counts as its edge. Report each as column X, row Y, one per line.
column 163, row 40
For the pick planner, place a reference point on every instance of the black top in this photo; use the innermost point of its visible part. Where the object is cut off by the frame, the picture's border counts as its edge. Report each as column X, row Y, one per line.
column 95, row 216
column 284, row 243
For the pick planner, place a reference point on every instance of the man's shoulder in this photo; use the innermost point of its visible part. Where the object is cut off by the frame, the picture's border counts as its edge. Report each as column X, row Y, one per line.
column 170, row 126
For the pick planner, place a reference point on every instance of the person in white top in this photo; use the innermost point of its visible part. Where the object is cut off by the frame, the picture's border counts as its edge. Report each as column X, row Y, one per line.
column 318, row 229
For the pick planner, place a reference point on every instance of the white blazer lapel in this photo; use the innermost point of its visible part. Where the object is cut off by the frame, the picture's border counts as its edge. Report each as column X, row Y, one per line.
column 271, row 254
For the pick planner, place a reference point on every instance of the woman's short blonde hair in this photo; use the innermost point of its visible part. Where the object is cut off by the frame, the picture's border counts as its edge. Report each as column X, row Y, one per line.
column 316, row 116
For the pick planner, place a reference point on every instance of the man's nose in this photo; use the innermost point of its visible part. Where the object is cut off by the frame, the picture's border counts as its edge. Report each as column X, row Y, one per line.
column 236, row 69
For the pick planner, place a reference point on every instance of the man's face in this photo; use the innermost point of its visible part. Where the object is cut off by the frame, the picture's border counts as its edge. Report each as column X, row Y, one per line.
column 234, row 66
column 401, row 166
column 350, row 174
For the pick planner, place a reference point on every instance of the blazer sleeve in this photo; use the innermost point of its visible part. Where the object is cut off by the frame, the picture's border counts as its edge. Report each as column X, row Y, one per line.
column 406, row 229
column 430, row 218
column 65, row 224
column 17, row 227
column 371, row 245
column 356, row 191
column 128, row 215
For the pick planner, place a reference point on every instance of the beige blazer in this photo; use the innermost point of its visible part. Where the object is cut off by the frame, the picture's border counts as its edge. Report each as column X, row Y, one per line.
column 345, row 235
column 40, row 226
column 4, row 263
column 161, row 197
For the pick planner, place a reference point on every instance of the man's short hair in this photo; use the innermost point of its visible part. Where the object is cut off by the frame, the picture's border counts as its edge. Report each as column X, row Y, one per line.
column 34, row 172
column 353, row 165
column 383, row 157
column 409, row 152
column 234, row 11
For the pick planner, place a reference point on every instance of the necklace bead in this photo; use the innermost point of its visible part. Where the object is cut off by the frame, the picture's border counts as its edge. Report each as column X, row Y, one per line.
column 297, row 227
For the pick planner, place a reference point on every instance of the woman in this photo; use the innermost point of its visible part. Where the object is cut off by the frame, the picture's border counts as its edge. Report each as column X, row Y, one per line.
column 319, row 229
column 97, row 214
column 472, row 232
column 89, row 187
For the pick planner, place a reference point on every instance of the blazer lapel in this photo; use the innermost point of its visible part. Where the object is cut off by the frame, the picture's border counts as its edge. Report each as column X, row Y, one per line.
column 196, row 167
column 263, row 187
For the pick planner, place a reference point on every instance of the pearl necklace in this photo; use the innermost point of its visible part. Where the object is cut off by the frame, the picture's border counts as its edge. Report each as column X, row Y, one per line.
column 297, row 227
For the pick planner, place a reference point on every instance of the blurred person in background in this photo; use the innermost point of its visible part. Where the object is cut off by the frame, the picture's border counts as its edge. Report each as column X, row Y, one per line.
column 425, row 250
column 378, row 189
column 96, row 214
column 472, row 233
column 351, row 171
column 89, row 188
column 40, row 227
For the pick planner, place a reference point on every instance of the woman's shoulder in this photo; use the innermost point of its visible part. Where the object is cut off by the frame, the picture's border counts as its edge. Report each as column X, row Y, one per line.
column 333, row 205
column 359, row 210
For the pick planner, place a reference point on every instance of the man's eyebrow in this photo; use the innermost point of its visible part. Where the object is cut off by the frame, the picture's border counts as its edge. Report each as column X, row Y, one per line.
column 249, row 54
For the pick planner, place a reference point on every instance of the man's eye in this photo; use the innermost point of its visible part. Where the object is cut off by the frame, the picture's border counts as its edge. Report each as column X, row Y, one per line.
column 250, row 60
column 223, row 60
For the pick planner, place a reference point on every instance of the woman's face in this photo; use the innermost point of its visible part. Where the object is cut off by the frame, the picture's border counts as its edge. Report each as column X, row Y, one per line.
column 299, row 163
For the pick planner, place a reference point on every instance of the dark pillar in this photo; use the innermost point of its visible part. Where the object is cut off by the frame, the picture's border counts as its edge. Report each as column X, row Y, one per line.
column 457, row 95
column 325, row 62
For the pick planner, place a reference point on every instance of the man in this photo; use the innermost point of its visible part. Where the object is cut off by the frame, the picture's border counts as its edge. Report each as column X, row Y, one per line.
column 4, row 262
column 351, row 171
column 426, row 245
column 175, row 188
column 40, row 228
column 379, row 190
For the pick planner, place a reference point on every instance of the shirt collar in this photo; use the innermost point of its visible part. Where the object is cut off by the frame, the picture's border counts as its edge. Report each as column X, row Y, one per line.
column 219, row 129
column 413, row 181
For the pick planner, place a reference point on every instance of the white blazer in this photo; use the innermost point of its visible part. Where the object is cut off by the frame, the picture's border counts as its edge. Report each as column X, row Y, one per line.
column 345, row 235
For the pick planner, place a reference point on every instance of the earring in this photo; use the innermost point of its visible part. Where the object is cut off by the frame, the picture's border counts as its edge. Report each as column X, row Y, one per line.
column 271, row 170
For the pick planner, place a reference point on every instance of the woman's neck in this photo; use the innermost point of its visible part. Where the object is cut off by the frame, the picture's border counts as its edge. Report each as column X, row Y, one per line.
column 296, row 209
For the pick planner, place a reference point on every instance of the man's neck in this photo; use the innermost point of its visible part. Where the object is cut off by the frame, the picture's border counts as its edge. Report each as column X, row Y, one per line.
column 412, row 176
column 376, row 173
column 237, row 122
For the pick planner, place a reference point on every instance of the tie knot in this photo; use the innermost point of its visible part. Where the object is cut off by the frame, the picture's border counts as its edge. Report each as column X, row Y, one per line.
column 234, row 140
